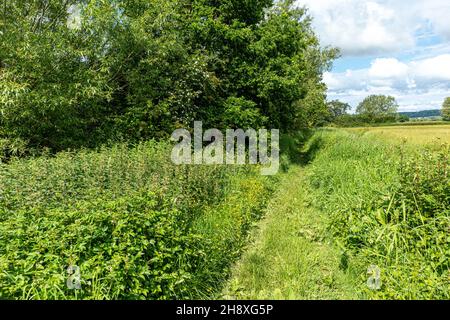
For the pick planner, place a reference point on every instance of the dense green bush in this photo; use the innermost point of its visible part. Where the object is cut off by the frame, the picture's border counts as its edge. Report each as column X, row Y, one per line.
column 132, row 247
column 389, row 207
column 82, row 73
column 138, row 226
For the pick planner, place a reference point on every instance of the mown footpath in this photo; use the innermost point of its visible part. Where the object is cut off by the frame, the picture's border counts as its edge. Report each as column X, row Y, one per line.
column 292, row 255
column 365, row 217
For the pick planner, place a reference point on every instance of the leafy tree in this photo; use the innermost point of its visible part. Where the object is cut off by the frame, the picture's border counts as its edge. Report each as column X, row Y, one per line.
column 287, row 68
column 403, row 118
column 446, row 109
column 337, row 109
column 79, row 73
column 377, row 106
column 54, row 80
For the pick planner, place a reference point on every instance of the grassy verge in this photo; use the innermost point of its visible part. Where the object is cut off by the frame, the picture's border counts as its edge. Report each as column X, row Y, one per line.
column 139, row 227
column 291, row 256
column 389, row 207
column 361, row 203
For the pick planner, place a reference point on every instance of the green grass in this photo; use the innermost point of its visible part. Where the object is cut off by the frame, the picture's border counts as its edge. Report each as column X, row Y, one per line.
column 292, row 255
column 361, row 200
column 141, row 228
column 389, row 206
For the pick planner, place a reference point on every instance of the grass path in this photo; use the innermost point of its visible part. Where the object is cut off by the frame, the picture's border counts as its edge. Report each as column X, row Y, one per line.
column 291, row 255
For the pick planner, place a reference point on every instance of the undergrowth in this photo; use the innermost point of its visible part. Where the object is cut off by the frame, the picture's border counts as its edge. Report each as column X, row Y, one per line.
column 390, row 208
column 137, row 226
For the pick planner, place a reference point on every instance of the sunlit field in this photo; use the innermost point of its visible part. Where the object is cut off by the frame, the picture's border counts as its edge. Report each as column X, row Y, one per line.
column 430, row 134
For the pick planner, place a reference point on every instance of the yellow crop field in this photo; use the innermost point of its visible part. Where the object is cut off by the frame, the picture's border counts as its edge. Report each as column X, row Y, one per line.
column 422, row 135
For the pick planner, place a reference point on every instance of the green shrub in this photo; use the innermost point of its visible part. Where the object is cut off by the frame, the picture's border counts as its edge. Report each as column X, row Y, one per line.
column 133, row 247
column 136, row 225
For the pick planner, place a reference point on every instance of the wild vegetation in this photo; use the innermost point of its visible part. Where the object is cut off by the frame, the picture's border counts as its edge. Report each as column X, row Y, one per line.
column 136, row 225
column 362, row 200
column 141, row 228
column 85, row 73
column 91, row 90
column 389, row 205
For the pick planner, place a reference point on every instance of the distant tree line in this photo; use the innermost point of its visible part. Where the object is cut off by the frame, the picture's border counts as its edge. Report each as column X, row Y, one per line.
column 378, row 109
column 82, row 73
column 372, row 110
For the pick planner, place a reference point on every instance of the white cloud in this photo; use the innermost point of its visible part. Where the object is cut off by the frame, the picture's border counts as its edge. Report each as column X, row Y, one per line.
column 418, row 84
column 388, row 68
column 377, row 26
column 437, row 12
column 437, row 68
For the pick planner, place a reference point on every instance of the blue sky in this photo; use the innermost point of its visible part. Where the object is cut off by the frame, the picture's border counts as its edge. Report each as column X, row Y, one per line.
column 395, row 47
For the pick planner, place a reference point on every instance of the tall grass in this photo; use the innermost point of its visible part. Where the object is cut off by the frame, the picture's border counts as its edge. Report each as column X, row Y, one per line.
column 389, row 207
column 137, row 226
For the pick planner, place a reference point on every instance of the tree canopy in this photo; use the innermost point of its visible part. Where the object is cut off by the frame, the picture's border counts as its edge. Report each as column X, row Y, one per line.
column 446, row 109
column 79, row 73
column 377, row 106
column 337, row 109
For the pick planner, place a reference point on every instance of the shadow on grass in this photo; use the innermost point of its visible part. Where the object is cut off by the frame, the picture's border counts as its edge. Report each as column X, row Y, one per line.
column 301, row 148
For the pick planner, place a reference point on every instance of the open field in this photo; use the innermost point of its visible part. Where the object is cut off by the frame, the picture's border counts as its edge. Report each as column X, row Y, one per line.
column 415, row 134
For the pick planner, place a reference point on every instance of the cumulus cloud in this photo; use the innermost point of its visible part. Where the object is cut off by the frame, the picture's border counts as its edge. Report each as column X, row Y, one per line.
column 437, row 12
column 424, row 82
column 377, row 26
column 437, row 68
column 388, row 68
column 407, row 42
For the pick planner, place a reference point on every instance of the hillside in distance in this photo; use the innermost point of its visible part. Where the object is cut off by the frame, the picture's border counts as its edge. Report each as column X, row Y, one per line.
column 423, row 114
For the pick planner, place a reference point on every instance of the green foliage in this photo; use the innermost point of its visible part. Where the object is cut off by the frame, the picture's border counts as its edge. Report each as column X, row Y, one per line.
column 54, row 81
column 389, row 207
column 242, row 114
column 377, row 105
column 446, row 109
column 224, row 229
column 337, row 109
column 402, row 118
column 375, row 109
column 127, row 248
column 82, row 73
column 138, row 226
